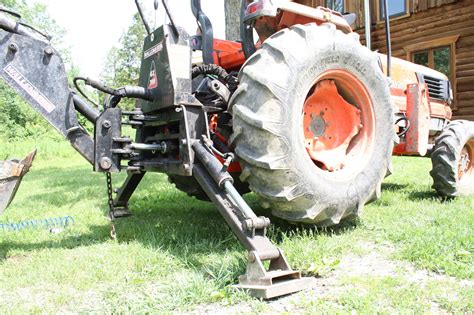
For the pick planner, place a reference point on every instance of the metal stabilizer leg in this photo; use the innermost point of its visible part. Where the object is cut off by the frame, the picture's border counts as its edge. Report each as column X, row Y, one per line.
column 11, row 174
column 279, row 279
column 120, row 203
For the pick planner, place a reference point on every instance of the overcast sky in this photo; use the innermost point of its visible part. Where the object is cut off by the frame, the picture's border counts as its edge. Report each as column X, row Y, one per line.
column 94, row 26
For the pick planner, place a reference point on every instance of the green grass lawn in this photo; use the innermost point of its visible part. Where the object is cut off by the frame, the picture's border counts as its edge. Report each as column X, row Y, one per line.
column 176, row 253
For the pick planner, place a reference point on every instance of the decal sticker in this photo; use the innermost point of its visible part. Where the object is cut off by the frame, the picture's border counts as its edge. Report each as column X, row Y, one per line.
column 180, row 69
column 29, row 88
column 153, row 50
column 153, row 79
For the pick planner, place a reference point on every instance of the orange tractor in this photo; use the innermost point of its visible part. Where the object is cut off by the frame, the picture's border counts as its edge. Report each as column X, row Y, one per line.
column 304, row 116
column 315, row 117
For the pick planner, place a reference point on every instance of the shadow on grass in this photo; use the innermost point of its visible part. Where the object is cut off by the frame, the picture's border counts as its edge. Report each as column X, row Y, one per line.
column 281, row 227
column 424, row 195
column 393, row 186
column 162, row 218
column 429, row 195
column 63, row 186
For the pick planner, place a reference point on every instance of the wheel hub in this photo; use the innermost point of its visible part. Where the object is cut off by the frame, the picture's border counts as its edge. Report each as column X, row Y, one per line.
column 330, row 124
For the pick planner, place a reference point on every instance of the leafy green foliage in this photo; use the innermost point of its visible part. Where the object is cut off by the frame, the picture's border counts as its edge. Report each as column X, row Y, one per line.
column 17, row 119
column 122, row 66
column 11, row 4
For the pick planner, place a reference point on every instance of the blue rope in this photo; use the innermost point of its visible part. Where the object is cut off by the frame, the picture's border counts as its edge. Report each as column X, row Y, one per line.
column 37, row 223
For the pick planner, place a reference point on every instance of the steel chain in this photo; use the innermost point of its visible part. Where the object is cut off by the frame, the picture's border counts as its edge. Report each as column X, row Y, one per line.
column 110, row 196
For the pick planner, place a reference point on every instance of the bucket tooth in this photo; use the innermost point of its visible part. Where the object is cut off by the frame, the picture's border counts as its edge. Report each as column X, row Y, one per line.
column 11, row 174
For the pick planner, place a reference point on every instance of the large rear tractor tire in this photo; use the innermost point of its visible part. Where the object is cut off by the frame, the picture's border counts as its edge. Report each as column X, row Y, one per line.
column 313, row 124
column 189, row 185
column 453, row 160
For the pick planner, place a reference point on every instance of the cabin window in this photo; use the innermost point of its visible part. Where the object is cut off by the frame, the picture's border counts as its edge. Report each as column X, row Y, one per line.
column 421, row 58
column 396, row 8
column 438, row 58
column 336, row 5
column 438, row 54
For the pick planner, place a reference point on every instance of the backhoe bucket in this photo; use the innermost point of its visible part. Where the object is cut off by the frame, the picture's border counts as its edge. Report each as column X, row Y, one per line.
column 11, row 174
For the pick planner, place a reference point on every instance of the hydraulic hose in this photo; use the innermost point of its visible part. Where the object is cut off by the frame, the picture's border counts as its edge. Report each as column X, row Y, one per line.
column 218, row 71
column 126, row 91
column 210, row 69
column 12, row 26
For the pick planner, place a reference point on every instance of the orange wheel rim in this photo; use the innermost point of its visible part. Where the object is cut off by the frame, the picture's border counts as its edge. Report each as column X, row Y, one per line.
column 466, row 163
column 338, row 122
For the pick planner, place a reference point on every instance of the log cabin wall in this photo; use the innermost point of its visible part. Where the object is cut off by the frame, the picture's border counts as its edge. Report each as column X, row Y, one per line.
column 426, row 26
column 430, row 24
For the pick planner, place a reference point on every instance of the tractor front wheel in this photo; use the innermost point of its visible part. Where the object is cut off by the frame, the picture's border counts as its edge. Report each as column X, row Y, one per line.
column 453, row 160
column 313, row 124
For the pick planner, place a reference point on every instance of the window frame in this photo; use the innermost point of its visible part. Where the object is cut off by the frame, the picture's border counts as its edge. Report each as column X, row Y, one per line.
column 381, row 19
column 344, row 4
column 430, row 46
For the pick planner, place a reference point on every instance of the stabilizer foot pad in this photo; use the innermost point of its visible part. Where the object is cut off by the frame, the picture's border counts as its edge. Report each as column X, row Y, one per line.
column 121, row 213
column 278, row 288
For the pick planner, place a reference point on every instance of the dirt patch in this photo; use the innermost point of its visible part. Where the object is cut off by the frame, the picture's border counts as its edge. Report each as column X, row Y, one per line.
column 373, row 264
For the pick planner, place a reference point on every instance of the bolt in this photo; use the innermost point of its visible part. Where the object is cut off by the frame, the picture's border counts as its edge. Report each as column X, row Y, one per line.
column 105, row 163
column 49, row 51
column 186, row 166
column 106, row 124
column 13, row 47
column 252, row 257
column 183, row 141
column 248, row 224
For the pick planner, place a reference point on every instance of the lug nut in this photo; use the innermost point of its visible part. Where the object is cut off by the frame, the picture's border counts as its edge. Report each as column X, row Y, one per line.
column 13, row 47
column 49, row 51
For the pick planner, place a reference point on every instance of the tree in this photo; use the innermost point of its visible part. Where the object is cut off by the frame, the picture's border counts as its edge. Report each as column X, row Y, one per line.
column 122, row 66
column 17, row 119
column 232, row 19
